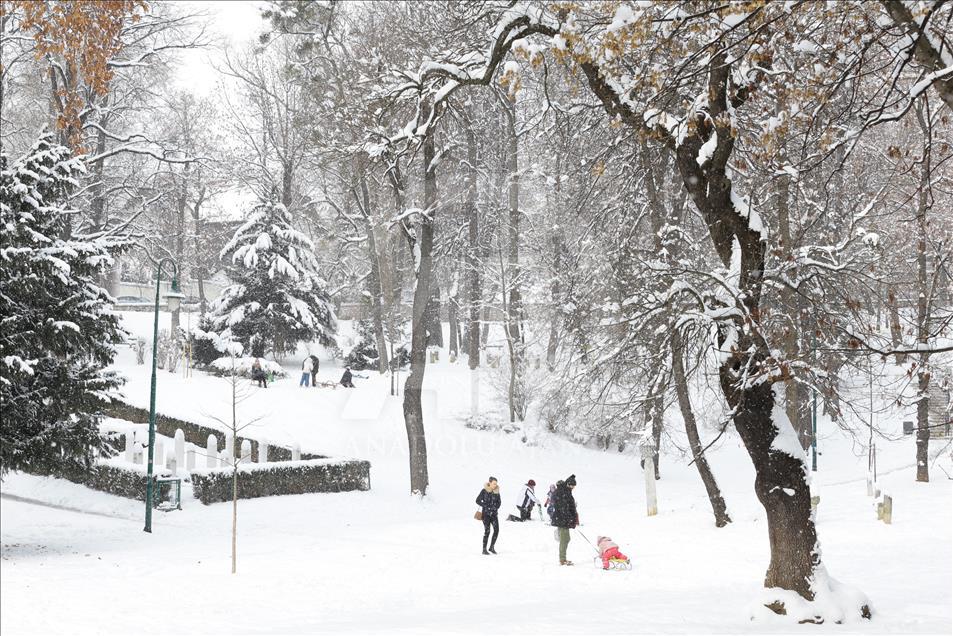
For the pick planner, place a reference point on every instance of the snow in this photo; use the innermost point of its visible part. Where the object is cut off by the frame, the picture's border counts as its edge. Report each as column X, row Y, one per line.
column 75, row 560
column 624, row 16
column 707, row 149
column 748, row 212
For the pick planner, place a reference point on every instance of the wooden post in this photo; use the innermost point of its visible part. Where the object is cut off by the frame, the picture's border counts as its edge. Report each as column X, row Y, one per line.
column 190, row 460
column 246, row 452
column 296, row 453
column 262, row 451
column 230, row 445
column 887, row 514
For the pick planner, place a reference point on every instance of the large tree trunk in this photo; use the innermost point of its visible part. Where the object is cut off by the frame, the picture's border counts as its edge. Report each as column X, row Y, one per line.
column 423, row 250
column 201, row 271
column 514, row 309
column 182, row 270
column 375, row 281
column 779, row 484
column 474, row 287
column 691, row 429
column 923, row 308
column 287, row 183
column 555, row 286
column 657, row 214
column 453, row 306
column 896, row 331
column 769, row 438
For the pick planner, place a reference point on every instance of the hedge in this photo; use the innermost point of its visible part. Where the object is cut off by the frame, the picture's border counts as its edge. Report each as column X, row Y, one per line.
column 196, row 433
column 213, row 485
column 109, row 478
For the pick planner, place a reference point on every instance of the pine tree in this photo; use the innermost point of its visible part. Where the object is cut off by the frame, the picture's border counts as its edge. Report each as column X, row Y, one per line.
column 57, row 329
column 278, row 298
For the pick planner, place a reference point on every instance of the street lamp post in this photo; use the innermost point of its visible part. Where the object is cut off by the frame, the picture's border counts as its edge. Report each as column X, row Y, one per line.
column 173, row 298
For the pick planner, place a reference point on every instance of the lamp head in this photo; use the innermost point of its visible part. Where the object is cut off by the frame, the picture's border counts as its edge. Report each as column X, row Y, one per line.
column 174, row 297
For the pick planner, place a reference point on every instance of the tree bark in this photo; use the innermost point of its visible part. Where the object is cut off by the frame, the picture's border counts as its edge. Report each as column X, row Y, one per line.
column 691, row 429
column 896, row 331
column 201, row 271
column 923, row 306
column 555, row 285
column 474, row 287
column 453, row 316
column 924, row 51
column 780, row 477
column 422, row 246
column 182, row 270
column 374, row 280
column 514, row 310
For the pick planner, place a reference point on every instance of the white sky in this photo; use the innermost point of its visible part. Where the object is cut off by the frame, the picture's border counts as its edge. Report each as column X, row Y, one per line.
column 231, row 23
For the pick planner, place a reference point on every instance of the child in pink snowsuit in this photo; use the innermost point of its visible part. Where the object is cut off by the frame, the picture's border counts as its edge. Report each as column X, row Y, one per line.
column 609, row 550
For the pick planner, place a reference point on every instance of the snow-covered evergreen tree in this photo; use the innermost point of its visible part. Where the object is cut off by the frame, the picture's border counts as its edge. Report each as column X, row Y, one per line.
column 278, row 298
column 57, row 329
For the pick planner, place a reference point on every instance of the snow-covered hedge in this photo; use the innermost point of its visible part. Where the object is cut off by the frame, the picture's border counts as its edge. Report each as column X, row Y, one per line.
column 223, row 366
column 212, row 485
column 110, row 477
column 196, row 433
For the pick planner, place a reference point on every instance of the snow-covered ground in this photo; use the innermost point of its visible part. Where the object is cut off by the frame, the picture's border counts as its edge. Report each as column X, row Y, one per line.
column 76, row 561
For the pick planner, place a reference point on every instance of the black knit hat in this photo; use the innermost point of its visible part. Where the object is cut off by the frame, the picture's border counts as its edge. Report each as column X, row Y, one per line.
column 571, row 481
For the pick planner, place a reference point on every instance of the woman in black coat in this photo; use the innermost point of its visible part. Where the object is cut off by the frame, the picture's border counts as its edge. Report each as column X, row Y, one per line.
column 489, row 502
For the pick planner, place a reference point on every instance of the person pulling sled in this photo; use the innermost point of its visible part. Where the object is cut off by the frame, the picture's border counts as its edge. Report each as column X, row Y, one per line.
column 564, row 515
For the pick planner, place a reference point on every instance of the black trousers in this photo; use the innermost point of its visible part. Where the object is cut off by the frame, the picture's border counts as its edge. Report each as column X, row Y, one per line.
column 488, row 522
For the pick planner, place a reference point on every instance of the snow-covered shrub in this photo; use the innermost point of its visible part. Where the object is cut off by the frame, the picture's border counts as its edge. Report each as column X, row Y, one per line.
column 491, row 421
column 213, row 485
column 204, row 344
column 59, row 331
column 364, row 354
column 223, row 366
column 278, row 298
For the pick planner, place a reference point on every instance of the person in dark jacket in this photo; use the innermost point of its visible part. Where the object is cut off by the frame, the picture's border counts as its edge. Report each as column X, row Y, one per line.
column 489, row 502
column 346, row 378
column 258, row 374
column 565, row 516
column 315, row 363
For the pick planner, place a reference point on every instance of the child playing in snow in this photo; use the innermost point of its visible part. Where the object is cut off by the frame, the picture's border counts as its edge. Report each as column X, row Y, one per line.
column 609, row 550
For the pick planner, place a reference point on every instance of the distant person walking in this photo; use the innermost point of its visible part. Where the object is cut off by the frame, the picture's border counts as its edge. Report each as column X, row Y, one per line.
column 346, row 378
column 565, row 516
column 306, row 367
column 258, row 375
column 489, row 502
column 315, row 365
